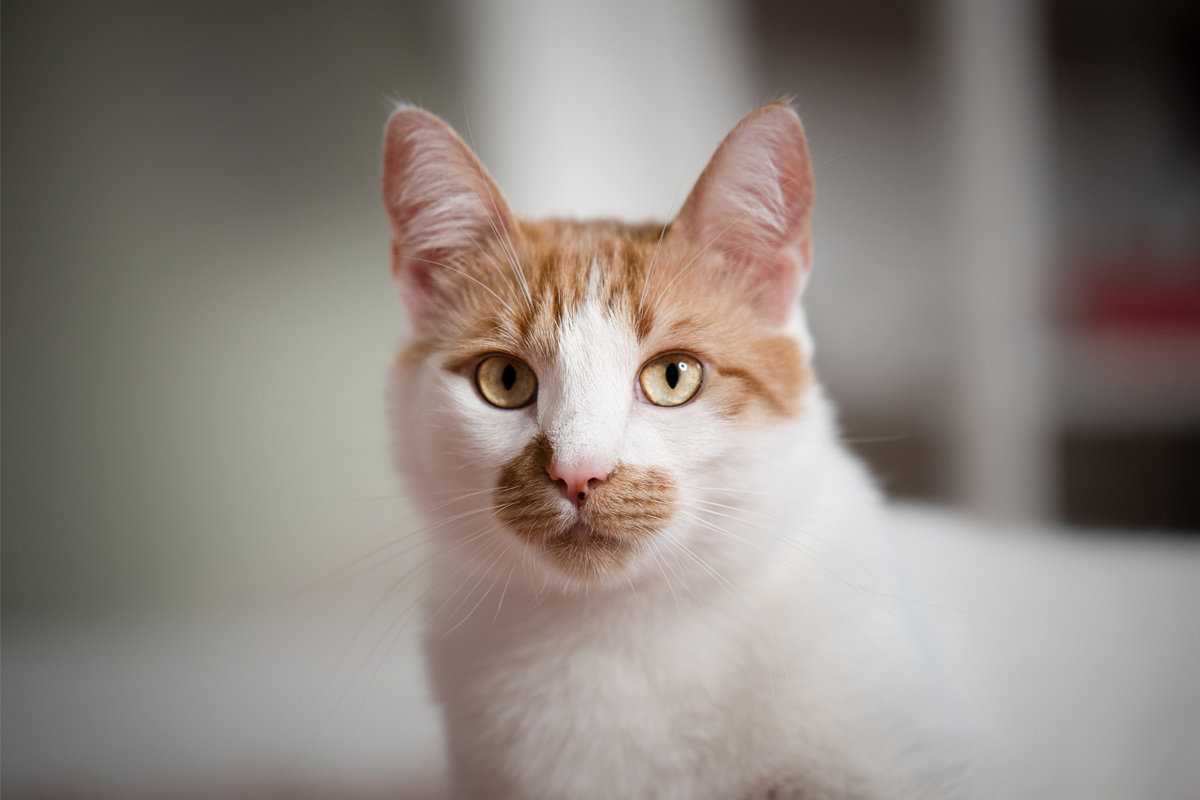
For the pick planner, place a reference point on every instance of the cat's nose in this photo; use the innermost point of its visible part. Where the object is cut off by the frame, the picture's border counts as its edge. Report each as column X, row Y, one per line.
column 577, row 481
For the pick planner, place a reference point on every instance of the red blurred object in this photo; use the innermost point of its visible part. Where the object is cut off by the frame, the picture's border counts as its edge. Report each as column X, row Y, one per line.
column 1140, row 297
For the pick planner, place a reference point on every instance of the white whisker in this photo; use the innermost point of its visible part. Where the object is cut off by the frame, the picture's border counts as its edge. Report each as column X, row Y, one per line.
column 510, row 250
column 486, row 288
column 657, row 245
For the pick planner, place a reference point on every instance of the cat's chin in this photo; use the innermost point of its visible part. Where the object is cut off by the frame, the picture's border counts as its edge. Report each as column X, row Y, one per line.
column 581, row 534
column 584, row 553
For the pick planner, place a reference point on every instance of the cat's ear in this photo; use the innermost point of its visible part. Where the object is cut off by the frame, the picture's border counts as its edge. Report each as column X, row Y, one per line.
column 441, row 203
column 751, row 207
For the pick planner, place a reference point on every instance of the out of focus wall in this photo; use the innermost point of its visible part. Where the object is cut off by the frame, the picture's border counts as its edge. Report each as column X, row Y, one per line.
column 1114, row 87
column 197, row 311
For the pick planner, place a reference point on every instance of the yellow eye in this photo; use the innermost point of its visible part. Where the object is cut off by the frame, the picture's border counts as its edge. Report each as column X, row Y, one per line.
column 506, row 382
column 671, row 380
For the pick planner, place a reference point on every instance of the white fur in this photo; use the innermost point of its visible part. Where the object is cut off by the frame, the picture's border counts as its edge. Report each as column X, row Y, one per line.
column 585, row 405
column 754, row 649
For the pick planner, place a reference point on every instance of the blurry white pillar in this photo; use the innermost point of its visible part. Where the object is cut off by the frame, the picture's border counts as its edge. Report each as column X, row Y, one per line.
column 602, row 108
column 999, row 248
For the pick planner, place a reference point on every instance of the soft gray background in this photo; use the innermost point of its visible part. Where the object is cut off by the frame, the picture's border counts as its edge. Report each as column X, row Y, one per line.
column 197, row 309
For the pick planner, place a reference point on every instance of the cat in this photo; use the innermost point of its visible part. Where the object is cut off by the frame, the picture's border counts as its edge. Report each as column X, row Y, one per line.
column 658, row 572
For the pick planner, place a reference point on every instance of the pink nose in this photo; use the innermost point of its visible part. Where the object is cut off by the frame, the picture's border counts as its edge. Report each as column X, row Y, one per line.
column 577, row 481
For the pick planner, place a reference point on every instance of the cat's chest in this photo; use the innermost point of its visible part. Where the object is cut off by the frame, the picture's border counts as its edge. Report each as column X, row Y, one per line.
column 605, row 704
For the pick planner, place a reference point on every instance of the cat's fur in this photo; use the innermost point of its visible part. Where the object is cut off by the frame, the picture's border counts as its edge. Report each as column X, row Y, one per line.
column 717, row 619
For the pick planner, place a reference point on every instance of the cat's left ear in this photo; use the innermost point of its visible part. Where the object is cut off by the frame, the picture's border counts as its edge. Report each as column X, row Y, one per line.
column 442, row 205
column 751, row 208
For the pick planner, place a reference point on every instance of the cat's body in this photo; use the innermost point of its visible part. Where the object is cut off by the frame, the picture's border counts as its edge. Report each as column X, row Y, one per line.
column 645, row 587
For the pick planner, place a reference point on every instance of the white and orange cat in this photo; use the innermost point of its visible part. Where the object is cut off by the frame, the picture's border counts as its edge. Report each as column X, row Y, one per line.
column 659, row 574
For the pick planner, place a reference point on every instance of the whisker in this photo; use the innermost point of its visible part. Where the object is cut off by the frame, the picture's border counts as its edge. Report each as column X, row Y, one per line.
column 486, row 288
column 412, row 606
column 466, row 328
column 871, row 596
column 886, row 437
column 788, row 525
column 337, row 575
column 509, row 255
column 353, row 637
column 504, row 591
column 657, row 245
column 681, row 580
column 502, row 544
column 511, row 250
column 729, row 587
column 743, row 542
column 808, row 551
column 654, row 555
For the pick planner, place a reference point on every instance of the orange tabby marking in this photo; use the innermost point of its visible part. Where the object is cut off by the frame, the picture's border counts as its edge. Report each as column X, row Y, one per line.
column 634, row 503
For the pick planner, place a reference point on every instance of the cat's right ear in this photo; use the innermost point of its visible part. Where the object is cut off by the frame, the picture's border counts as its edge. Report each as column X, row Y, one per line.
column 750, row 209
column 441, row 203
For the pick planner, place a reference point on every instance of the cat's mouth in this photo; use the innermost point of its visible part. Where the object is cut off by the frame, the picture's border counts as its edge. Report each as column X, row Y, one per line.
column 635, row 503
column 584, row 534
column 580, row 533
column 582, row 550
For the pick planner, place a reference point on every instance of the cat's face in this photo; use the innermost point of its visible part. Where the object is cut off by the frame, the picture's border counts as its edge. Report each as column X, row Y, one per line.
column 571, row 386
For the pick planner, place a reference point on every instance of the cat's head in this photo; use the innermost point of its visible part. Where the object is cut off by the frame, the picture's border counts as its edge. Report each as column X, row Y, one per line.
column 574, row 389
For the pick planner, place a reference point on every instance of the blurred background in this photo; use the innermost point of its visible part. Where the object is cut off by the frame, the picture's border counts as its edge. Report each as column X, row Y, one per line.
column 198, row 317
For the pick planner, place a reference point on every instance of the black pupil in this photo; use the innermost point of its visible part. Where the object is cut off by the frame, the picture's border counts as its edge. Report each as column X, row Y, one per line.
column 672, row 374
column 509, row 377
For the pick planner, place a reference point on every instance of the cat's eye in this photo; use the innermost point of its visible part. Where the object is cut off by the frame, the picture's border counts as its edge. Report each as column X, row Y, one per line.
column 671, row 380
column 505, row 381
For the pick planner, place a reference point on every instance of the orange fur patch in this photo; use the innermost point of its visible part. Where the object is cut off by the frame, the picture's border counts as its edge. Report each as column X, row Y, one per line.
column 415, row 353
column 511, row 296
column 633, row 504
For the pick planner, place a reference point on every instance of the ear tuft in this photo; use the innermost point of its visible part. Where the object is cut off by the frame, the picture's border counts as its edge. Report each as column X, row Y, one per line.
column 440, row 201
column 752, row 206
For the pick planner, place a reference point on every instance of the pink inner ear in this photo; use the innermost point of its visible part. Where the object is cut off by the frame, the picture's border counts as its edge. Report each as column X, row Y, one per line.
column 441, row 204
column 784, row 281
column 752, row 206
